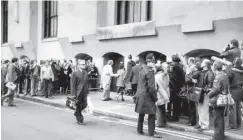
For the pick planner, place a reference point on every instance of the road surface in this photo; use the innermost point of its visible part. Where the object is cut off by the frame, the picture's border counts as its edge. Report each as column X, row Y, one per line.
column 31, row 121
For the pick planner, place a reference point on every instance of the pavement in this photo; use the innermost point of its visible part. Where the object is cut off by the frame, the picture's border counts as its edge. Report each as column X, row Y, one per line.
column 125, row 111
column 34, row 121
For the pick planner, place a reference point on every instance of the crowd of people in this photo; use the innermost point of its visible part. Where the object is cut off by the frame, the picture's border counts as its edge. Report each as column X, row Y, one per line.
column 163, row 89
column 158, row 89
column 47, row 78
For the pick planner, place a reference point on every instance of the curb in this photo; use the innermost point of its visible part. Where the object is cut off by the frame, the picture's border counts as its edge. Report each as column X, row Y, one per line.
column 173, row 126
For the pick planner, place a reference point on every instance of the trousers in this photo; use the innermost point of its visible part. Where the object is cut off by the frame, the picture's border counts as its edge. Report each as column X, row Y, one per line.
column 161, row 116
column 203, row 112
column 235, row 113
column 34, row 85
column 134, row 88
column 151, row 123
column 219, row 123
column 48, row 87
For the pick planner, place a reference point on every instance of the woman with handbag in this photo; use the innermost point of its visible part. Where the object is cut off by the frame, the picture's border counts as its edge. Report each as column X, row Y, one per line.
column 163, row 92
column 218, row 100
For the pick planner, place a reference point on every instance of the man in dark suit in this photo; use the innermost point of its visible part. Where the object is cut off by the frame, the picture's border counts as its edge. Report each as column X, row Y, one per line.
column 80, row 89
column 146, row 97
column 134, row 76
column 177, row 81
column 11, row 78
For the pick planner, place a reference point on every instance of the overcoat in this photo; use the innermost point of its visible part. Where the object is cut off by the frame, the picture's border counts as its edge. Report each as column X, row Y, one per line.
column 134, row 74
column 236, row 83
column 120, row 80
column 146, row 95
column 80, row 87
column 11, row 73
column 162, row 88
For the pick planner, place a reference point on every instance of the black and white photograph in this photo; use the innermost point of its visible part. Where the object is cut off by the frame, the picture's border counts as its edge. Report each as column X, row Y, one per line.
column 121, row 70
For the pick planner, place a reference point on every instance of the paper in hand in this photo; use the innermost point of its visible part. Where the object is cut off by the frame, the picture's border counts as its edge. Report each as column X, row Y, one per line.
column 12, row 86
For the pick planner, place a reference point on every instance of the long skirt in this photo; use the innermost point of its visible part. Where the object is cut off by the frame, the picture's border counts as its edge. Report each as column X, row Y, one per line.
column 203, row 113
column 235, row 113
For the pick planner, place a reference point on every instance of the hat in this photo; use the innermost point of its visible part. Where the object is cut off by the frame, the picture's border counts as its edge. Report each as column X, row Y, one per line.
column 130, row 56
column 238, row 61
column 150, row 57
column 218, row 65
column 175, row 58
column 205, row 63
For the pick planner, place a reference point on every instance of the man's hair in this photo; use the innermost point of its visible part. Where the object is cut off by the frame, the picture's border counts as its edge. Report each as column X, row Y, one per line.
column 14, row 60
column 71, row 61
column 110, row 62
column 192, row 60
column 235, row 42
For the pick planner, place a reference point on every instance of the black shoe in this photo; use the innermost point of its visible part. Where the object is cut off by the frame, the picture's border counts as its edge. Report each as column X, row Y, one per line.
column 105, row 99
column 12, row 105
column 197, row 127
column 156, row 135
column 141, row 133
column 122, row 100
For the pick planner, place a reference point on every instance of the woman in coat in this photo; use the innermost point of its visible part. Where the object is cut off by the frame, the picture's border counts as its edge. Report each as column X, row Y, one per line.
column 120, row 83
column 220, row 86
column 163, row 92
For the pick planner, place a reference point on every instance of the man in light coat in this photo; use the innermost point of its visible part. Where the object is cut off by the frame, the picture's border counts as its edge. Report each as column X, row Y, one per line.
column 146, row 97
column 11, row 78
column 106, row 80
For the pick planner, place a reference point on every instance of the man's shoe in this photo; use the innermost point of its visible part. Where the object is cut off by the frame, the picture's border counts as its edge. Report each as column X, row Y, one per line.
column 105, row 99
column 197, row 127
column 81, row 123
column 156, row 135
column 122, row 100
column 202, row 129
column 141, row 133
column 12, row 105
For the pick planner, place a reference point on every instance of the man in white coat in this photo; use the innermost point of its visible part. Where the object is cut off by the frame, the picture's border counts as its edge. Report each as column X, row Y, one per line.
column 106, row 80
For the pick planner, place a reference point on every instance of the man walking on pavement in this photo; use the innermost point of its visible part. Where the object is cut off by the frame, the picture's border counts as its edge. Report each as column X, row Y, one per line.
column 146, row 97
column 80, row 89
column 11, row 79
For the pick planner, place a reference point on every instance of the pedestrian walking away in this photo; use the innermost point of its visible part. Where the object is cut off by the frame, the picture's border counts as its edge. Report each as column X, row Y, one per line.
column 80, row 89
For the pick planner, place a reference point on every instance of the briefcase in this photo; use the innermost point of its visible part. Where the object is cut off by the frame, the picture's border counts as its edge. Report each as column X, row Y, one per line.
column 71, row 102
column 195, row 94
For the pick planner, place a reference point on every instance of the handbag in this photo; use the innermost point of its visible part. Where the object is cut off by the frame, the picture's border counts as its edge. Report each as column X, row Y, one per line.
column 195, row 94
column 225, row 100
